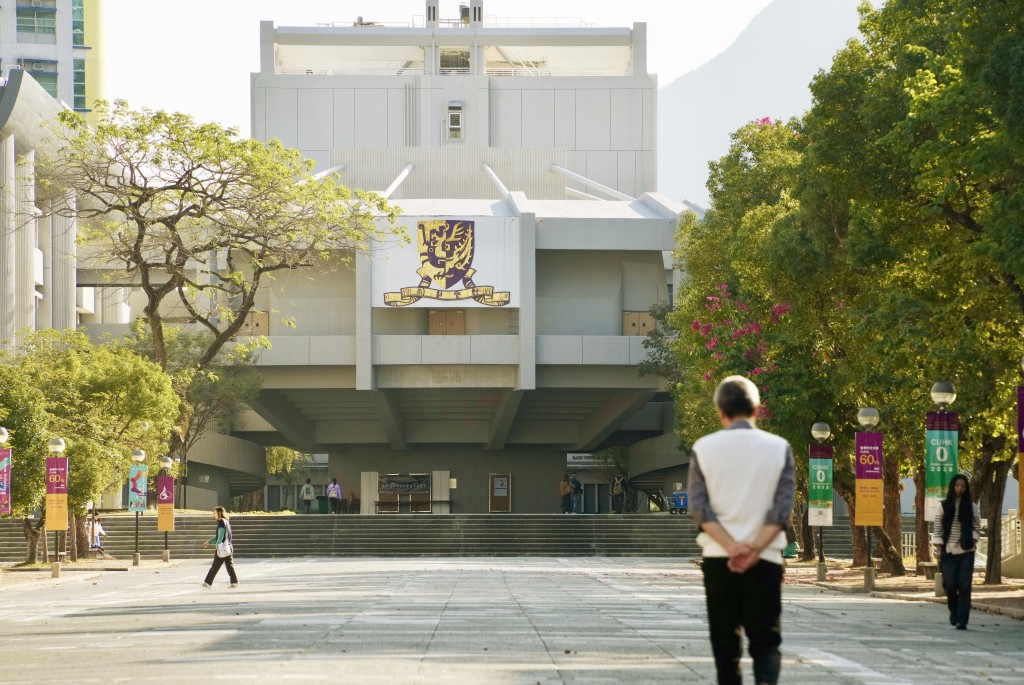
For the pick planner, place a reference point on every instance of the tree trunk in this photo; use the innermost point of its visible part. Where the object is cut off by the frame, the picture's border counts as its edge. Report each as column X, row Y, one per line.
column 891, row 516
column 892, row 559
column 806, row 535
column 73, row 539
column 32, row 535
column 44, row 542
column 992, row 508
column 922, row 532
column 82, row 536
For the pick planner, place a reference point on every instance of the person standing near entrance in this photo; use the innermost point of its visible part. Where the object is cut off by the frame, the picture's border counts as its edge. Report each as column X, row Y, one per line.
column 334, row 496
column 565, row 493
column 961, row 528
column 307, row 495
column 741, row 486
column 222, row 555
column 577, row 495
column 618, row 492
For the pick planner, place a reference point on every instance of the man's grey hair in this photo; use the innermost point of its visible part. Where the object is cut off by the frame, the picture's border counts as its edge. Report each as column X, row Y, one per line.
column 737, row 396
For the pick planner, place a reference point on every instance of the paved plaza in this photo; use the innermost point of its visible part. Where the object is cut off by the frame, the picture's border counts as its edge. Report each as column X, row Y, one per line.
column 471, row 620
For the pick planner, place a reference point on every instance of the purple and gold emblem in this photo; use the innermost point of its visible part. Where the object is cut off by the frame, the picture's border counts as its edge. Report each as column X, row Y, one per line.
column 446, row 258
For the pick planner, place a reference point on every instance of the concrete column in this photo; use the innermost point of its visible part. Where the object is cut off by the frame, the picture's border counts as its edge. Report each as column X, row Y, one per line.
column 527, row 301
column 365, row 377
column 113, row 305
column 8, row 173
column 44, row 307
column 25, row 246
column 65, row 232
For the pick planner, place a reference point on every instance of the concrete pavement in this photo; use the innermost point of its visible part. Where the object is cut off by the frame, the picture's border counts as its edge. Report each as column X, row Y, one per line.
column 469, row 620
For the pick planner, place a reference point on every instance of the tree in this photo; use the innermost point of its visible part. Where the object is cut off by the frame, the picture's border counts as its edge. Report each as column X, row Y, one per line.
column 288, row 465
column 199, row 218
column 104, row 400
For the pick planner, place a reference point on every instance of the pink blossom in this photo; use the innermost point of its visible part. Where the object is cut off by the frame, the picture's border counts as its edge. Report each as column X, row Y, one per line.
column 713, row 344
column 705, row 330
column 742, row 307
column 707, row 376
column 763, row 121
column 695, row 325
column 718, row 355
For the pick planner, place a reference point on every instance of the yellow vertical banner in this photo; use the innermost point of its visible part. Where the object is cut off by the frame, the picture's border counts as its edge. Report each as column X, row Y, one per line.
column 56, row 513
column 165, row 518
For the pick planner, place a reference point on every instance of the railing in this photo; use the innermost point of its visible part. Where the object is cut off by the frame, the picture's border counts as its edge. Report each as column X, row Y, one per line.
column 1010, row 538
column 401, row 70
column 908, row 543
column 383, row 70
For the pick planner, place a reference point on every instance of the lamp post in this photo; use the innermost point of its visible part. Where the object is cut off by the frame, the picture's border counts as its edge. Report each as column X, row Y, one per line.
column 821, row 432
column 868, row 418
column 941, row 457
column 138, row 456
column 57, row 486
column 165, row 467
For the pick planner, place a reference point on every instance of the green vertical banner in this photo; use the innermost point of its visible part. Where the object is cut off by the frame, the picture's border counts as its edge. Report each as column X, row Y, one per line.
column 819, row 485
column 942, row 458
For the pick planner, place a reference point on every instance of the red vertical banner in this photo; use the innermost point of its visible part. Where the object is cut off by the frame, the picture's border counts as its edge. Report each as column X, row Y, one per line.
column 5, row 481
column 1020, row 452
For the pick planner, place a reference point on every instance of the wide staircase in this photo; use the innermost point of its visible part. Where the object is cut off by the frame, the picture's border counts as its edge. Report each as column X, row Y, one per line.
column 658, row 535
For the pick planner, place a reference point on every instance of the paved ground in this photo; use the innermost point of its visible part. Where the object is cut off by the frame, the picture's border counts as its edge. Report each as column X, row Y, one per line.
column 466, row 621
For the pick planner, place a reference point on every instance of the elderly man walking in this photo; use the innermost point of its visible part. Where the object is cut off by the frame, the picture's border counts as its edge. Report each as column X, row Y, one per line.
column 741, row 487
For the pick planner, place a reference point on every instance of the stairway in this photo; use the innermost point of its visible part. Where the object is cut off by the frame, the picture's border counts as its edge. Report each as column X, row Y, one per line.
column 398, row 535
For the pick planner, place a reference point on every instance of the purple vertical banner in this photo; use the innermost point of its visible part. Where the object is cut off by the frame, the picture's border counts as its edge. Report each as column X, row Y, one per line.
column 5, row 481
column 869, row 456
column 165, row 490
column 56, row 475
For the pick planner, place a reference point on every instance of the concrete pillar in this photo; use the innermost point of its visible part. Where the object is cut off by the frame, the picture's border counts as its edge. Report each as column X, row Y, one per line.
column 65, row 233
column 25, row 247
column 113, row 305
column 527, row 301
column 44, row 307
column 365, row 377
column 8, row 174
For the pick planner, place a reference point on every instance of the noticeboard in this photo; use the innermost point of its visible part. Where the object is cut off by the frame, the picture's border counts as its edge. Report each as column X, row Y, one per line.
column 499, row 493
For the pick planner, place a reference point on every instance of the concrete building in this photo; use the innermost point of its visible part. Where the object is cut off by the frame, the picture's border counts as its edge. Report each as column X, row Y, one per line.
column 501, row 344
column 59, row 43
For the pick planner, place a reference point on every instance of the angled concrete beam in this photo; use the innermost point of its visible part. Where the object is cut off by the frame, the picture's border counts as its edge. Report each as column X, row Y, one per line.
column 610, row 416
column 286, row 420
column 391, row 418
column 504, row 417
column 398, row 181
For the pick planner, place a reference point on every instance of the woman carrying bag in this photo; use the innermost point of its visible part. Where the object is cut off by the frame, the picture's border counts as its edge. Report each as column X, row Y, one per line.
column 961, row 528
column 222, row 557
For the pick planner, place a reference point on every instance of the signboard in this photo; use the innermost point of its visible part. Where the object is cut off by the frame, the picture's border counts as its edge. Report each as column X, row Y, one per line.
column 402, row 483
column 450, row 261
column 138, row 486
column 870, row 483
column 165, row 504
column 819, row 471
column 575, row 460
column 942, row 460
column 499, row 493
column 5, row 481
column 56, row 494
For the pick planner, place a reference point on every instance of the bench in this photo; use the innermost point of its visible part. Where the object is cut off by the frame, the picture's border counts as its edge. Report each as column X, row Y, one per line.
column 928, row 569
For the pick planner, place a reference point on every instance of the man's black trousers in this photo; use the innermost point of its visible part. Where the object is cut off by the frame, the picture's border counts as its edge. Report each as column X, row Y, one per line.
column 752, row 601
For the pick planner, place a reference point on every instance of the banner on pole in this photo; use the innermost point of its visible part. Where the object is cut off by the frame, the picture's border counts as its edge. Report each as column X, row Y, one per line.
column 1020, row 452
column 942, row 459
column 819, row 488
column 165, row 504
column 138, row 485
column 56, row 494
column 5, row 481
column 870, row 483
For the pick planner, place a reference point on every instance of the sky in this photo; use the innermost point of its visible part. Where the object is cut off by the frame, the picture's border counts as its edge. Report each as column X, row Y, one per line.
column 195, row 56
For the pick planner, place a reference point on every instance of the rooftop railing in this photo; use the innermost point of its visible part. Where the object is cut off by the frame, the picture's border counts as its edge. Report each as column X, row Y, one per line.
column 512, row 71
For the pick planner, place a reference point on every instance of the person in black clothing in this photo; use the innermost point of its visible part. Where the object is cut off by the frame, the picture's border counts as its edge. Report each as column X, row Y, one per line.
column 961, row 528
column 223, row 535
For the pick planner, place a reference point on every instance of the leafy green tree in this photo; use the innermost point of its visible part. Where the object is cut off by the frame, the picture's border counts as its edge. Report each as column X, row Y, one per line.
column 199, row 219
column 289, row 466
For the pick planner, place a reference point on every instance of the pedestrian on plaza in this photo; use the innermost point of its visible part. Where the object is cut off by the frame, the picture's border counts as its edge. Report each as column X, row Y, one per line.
column 334, row 496
column 565, row 493
column 619, row 486
column 307, row 495
column 961, row 529
column 98, row 533
column 577, row 495
column 741, row 486
column 223, row 549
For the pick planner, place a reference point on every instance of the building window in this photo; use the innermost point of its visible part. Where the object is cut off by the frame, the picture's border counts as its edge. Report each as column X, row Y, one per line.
column 78, row 23
column 80, row 102
column 37, row 26
column 454, row 60
column 48, row 82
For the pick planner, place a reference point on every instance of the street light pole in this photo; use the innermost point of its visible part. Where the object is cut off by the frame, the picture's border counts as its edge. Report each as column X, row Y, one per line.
column 820, row 431
column 943, row 394
column 138, row 456
column 868, row 418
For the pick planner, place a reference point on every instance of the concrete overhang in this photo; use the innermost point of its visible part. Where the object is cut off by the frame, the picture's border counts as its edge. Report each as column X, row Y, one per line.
column 23, row 105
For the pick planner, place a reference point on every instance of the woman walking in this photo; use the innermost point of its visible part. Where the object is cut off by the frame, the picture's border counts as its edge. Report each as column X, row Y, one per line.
column 961, row 527
column 223, row 547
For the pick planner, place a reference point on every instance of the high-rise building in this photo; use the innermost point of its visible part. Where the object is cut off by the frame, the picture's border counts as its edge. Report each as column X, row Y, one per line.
column 57, row 42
